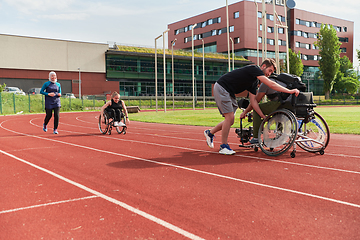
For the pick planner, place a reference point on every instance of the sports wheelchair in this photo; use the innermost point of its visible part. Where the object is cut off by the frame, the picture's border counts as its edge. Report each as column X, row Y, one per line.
column 283, row 129
column 106, row 124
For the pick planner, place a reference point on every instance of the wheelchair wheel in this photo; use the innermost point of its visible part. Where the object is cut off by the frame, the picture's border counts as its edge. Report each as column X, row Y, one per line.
column 277, row 132
column 122, row 129
column 103, row 124
column 313, row 136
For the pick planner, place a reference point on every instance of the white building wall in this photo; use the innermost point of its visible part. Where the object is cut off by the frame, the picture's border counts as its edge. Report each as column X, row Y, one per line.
column 17, row 52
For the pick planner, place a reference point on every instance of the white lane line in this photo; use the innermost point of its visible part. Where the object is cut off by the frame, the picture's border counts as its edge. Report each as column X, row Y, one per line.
column 212, row 152
column 47, row 204
column 112, row 200
column 194, row 170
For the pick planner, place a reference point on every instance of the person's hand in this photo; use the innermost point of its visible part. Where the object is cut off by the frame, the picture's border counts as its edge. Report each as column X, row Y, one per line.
column 296, row 92
column 127, row 121
column 51, row 94
column 242, row 115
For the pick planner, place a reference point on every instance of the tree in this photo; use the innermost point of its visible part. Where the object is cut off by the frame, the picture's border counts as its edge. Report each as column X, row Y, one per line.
column 2, row 87
column 329, row 46
column 296, row 66
column 346, row 80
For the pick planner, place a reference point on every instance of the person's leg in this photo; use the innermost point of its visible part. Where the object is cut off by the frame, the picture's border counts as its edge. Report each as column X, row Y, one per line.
column 56, row 117
column 47, row 118
column 117, row 115
column 226, row 125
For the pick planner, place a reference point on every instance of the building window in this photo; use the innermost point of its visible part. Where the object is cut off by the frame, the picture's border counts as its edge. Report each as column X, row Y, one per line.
column 200, row 36
column 270, row 29
column 315, row 57
column 259, row 15
column 213, row 32
column 270, row 17
column 260, row 26
column 177, row 32
column 343, row 50
column 299, row 33
column 307, row 46
column 271, row 41
column 231, row 29
column 305, row 57
column 203, row 24
column 210, row 21
column 219, row 32
column 185, row 29
column 236, row 14
column 259, row 40
column 237, row 40
column 281, row 30
column 219, row 19
column 297, row 44
column 185, row 40
column 297, row 21
column 345, row 29
column 305, row 35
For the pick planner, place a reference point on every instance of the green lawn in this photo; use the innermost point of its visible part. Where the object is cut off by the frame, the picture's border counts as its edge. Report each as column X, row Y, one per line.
column 340, row 119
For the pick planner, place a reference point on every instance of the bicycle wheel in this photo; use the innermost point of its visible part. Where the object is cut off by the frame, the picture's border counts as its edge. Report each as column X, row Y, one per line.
column 313, row 136
column 277, row 132
column 103, row 124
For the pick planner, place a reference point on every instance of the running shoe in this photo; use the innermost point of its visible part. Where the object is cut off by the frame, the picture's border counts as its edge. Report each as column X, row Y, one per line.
column 209, row 138
column 254, row 141
column 55, row 131
column 44, row 128
column 226, row 150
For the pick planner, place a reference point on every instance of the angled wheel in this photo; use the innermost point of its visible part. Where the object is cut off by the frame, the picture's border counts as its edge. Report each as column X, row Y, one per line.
column 122, row 129
column 277, row 132
column 313, row 136
column 103, row 123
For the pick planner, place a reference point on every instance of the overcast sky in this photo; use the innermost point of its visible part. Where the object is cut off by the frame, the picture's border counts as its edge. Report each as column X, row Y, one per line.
column 135, row 22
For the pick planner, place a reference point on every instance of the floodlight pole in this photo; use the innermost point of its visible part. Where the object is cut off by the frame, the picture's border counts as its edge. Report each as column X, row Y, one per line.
column 172, row 71
column 192, row 57
column 232, row 46
column 287, row 40
column 156, row 88
column 257, row 33
column 203, row 72
column 79, row 83
column 227, row 32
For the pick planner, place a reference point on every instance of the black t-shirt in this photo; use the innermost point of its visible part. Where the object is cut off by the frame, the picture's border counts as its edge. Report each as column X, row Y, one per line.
column 115, row 105
column 241, row 79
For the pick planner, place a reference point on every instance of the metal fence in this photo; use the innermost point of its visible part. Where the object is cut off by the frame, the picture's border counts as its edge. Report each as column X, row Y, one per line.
column 12, row 103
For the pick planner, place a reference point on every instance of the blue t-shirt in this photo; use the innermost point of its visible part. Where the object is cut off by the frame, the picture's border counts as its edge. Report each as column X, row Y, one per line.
column 49, row 87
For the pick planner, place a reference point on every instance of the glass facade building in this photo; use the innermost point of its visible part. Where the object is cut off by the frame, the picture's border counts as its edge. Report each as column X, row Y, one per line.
column 135, row 73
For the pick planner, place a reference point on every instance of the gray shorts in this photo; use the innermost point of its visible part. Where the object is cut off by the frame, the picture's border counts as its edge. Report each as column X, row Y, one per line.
column 224, row 101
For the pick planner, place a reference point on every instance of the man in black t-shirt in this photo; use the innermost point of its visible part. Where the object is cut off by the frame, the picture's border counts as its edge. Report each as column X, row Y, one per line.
column 234, row 82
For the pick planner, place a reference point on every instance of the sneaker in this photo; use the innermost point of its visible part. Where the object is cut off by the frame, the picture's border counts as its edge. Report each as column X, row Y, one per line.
column 209, row 138
column 44, row 128
column 116, row 124
column 254, row 141
column 121, row 124
column 55, row 131
column 225, row 149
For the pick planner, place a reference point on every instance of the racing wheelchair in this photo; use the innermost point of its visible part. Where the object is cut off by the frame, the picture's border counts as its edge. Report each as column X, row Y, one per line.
column 283, row 129
column 106, row 124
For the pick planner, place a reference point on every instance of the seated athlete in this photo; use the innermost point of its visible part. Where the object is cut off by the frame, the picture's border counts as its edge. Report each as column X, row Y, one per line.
column 274, row 102
column 115, row 108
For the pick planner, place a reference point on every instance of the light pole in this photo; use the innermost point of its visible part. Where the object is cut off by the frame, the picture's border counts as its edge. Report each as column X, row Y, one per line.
column 257, row 32
column 164, row 66
column 156, row 88
column 172, row 70
column 227, row 31
column 193, row 70
column 203, row 71
column 79, row 83
column 232, row 46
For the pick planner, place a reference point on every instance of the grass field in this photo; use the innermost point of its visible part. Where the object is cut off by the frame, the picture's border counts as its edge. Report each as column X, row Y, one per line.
column 340, row 119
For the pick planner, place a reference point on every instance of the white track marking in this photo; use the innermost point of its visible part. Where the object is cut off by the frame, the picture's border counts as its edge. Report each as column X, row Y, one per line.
column 212, row 152
column 193, row 170
column 47, row 204
column 110, row 199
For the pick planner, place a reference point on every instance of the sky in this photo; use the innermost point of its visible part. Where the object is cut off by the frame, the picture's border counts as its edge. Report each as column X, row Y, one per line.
column 136, row 22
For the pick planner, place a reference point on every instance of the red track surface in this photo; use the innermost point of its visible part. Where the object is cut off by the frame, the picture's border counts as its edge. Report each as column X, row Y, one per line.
column 162, row 182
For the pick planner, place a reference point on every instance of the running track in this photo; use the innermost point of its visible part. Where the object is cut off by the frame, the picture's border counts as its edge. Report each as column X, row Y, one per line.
column 162, row 182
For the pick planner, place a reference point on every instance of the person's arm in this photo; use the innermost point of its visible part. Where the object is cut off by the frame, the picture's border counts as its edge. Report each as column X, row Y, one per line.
column 255, row 105
column 258, row 98
column 125, row 111
column 59, row 93
column 42, row 90
column 104, row 106
column 277, row 87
